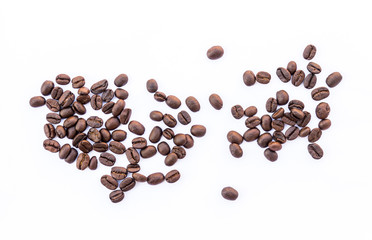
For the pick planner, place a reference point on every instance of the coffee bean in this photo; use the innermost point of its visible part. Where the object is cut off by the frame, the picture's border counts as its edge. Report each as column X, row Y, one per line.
column 63, row 79
column 215, row 52
column 118, row 107
column 99, row 87
column 304, row 121
column 127, row 184
column 78, row 82
column 168, row 133
column 136, row 127
column 310, row 81
column 51, row 145
column 234, row 137
column 163, row 148
column 283, row 74
column 71, row 132
column 325, row 124
column 173, row 102
column 249, row 78
column 320, row 93
column 66, row 99
column 333, row 79
column 125, row 115
column 64, row 151
column 309, row 52
column 289, row 119
column 252, row 122
column 112, row 123
column 49, row 131
column 322, row 110
column 37, row 101
column 236, row 150
column 271, row 105
column 250, row 111
column 78, row 138
column 151, row 85
column 107, row 159
column 183, row 117
column 96, row 102
column 179, row 151
column 93, row 163
column 53, row 118
column 169, row 120
column 85, row 146
column 71, row 156
column 56, row 93
column 264, row 139
column 107, row 95
column 270, row 155
column 229, row 193
column 70, row 122
column 79, row 108
column 156, row 116
column 60, row 131
column 189, row 141
column 116, row 196
column 119, row 173
column 95, row 122
column 314, row 135
column 139, row 177
column 83, row 99
column 107, row 108
column 83, row 91
column 278, row 113
column 155, row 178
column 266, row 122
column 52, row 104
column 251, row 134
column 315, row 151
column 100, row 147
column 179, row 139
column 304, row 132
column 109, row 182
column 133, row 168
column 119, row 135
column 170, row 159
column 160, row 96
column 139, row 142
column 237, row 111
column 121, row 93
column 292, row 67
column 298, row 114
column 155, row 134
column 121, row 80
column 81, row 125
column 82, row 161
column 216, row 101
column 298, row 78
column 172, row 176
column 66, row 112
column 47, row 87
column 192, row 103
column 275, row 146
column 117, row 147
column 282, row 97
column 263, row 77
column 148, row 151
column 279, row 137
column 314, row 68
column 198, row 130
column 296, row 104
column 292, row 133
column 278, row 125
column 132, row 155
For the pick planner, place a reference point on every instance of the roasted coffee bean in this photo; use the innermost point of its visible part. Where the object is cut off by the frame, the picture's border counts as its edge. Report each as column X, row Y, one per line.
column 37, row 101
column 93, row 163
column 116, row 196
column 53, row 118
column 56, row 93
column 282, row 97
column 119, row 135
column 183, row 117
column 78, row 138
column 139, row 177
column 296, row 104
column 234, row 137
column 82, row 161
column 100, row 147
column 249, row 78
column 333, row 79
column 320, row 93
column 215, row 52
column 85, row 146
column 109, row 182
column 66, row 99
column 148, row 151
column 236, row 150
column 117, row 147
column 107, row 159
column 189, row 141
column 279, row 137
column 250, row 111
column 314, row 68
column 155, row 134
column 52, row 104
column 127, row 184
column 216, row 101
column 119, row 173
column 133, row 168
column 151, row 85
column 60, row 131
column 156, row 116
column 237, row 111
column 136, row 127
column 179, row 151
column 63, row 79
column 79, row 108
column 107, row 108
column 292, row 67
column 278, row 113
column 70, row 122
column 94, row 135
column 263, row 77
column 170, row 159
column 95, row 122
column 47, row 87
column 322, row 110
column 118, row 107
column 292, row 133
column 132, row 155
column 169, row 120
column 173, row 102
column 81, row 125
column 125, row 115
column 309, row 52
column 172, row 176
column 264, row 139
column 298, row 78
column 271, row 155
column 229, row 193
column 155, row 178
column 278, row 125
column 266, row 122
column 51, row 145
column 99, row 87
column 168, row 133
column 304, row 132
column 107, row 95
column 252, row 122
column 179, row 139
column 289, row 119
column 83, row 91
column 198, row 130
column 283, row 74
column 163, row 148
column 192, row 103
column 71, row 132
column 160, row 96
column 251, row 134
column 121, row 80
column 310, row 81
column 314, row 135
column 78, row 82
column 304, row 121
column 64, row 151
column 105, row 135
column 315, row 151
column 324, row 124
column 275, row 146
column 96, row 102
column 66, row 112
column 71, row 156
column 121, row 93
column 271, row 105
column 49, row 131
column 139, row 142
column 112, row 123
column 298, row 114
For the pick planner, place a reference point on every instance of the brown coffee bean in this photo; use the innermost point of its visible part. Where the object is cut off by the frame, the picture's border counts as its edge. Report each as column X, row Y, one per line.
column 215, row 52
column 83, row 91
column 298, row 114
column 271, row 105
column 112, row 123
column 333, row 79
column 51, row 145
column 179, row 151
column 105, row 135
column 169, row 120
column 229, row 193
column 155, row 178
column 173, row 102
column 121, row 93
column 95, row 122
column 93, row 163
column 279, row 137
column 132, row 155
column 252, row 122
column 314, row 68
column 99, row 87
column 251, row 134
column 155, row 134
column 81, row 125
column 234, row 137
column 168, row 133
column 179, row 139
column 315, row 151
column 117, row 147
column 249, row 78
column 310, row 81
column 170, row 159
column 118, row 107
column 156, row 116
column 216, row 101
column 107, row 159
column 163, row 148
column 324, row 124
column 314, row 135
column 322, row 110
column 275, row 146
column 289, row 119
column 121, row 80
column 183, row 117
column 52, row 104
column 271, row 155
column 66, row 99
column 282, row 97
column 148, row 151
column 296, row 104
column 133, row 168
column 119, row 135
column 37, row 101
column 64, row 151
column 127, row 184
column 266, row 122
column 283, row 74
column 70, row 122
column 139, row 177
column 94, row 135
column 298, row 78
column 109, row 182
column 292, row 133
column 96, row 102
column 264, row 140
column 292, row 67
column 198, row 130
column 309, row 52
column 304, row 132
column 78, row 82
column 320, row 93
column 56, row 93
column 71, row 156
column 79, row 108
column 304, row 121
column 100, row 147
column 278, row 113
column 107, row 95
column 85, row 146
column 151, row 85
column 136, row 127
column 49, row 131
column 82, row 161
column 71, row 132
column 53, row 118
column 172, row 176
column 66, row 112
column 78, row 138
column 116, row 196
column 237, row 111
column 119, row 173
column 250, row 111
column 189, row 141
column 47, row 87
column 125, row 115
column 139, row 142
column 63, row 79
column 160, row 96
column 278, row 125
column 236, row 150
column 193, row 104
column 263, row 77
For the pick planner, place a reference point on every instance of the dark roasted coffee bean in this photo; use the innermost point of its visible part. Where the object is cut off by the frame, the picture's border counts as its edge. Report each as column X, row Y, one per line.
column 169, row 120
column 292, row 67
column 249, row 78
column 139, row 177
column 79, row 108
column 93, row 163
column 52, row 104
column 275, row 146
column 56, row 93
column 119, row 173
column 82, row 161
column 136, row 127
column 49, row 131
column 107, row 159
column 292, row 133
column 132, row 155
column 279, row 137
column 304, row 121
column 234, row 137
column 173, row 102
column 252, row 122
column 179, row 151
column 116, row 196
column 296, row 104
column 251, row 134
column 125, row 115
column 70, row 122
column 151, row 85
column 163, row 148
column 71, row 132
column 289, row 119
column 78, row 138
column 99, row 87
column 109, row 182
column 310, row 81
column 229, row 193
column 100, row 147
column 121, row 80
column 71, row 156
column 320, row 93
column 96, row 102
column 51, row 145
column 250, row 111
column 66, row 99
column 283, row 74
column 148, row 151
column 278, row 113
column 60, row 131
column 53, row 118
column 215, row 52
column 263, row 77
column 271, row 105
column 271, row 155
column 139, row 142
column 160, row 96
column 94, row 135
column 198, row 130
column 105, row 135
column 156, row 116
column 112, row 123
column 192, row 103
column 183, row 117
column 118, row 107
column 333, row 79
column 133, row 168
column 315, row 151
column 237, row 111
column 304, row 132
column 322, row 110
column 179, row 139
column 66, row 112
column 81, row 125
column 170, row 159
column 47, row 87
column 189, row 141
column 282, row 97
column 107, row 95
column 168, row 133
column 64, row 151
column 172, row 176
column 155, row 178
column 121, row 93
column 324, row 124
column 309, row 52
column 95, row 122
column 127, row 184
column 216, row 101
column 314, row 135
column 78, row 82
column 85, row 146
column 266, row 122
column 37, row 101
column 298, row 78
column 155, row 134
column 236, row 150
column 298, row 114
column 278, row 125
column 83, row 91
column 264, row 139
column 63, row 79
column 119, row 135
column 314, row 68
column 117, row 147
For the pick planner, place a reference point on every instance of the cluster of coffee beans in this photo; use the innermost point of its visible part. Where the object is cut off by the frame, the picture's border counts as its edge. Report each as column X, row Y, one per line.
column 93, row 134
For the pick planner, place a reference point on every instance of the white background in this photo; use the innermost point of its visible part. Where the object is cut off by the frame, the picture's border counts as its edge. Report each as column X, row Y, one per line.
column 297, row 197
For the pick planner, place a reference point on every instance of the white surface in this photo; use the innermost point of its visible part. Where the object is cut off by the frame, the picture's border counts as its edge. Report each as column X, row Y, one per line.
column 42, row 197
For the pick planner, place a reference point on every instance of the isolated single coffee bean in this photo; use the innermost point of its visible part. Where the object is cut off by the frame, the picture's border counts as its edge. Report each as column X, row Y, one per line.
column 292, row 67
column 53, row 118
column 172, row 176
column 271, row 155
column 119, row 173
column 112, row 123
column 121, row 93
column 47, row 87
column 309, row 52
column 71, row 132
column 283, row 74
column 117, row 147
column 216, row 101
column 155, row 178
column 71, row 156
column 271, row 105
column 250, row 111
column 66, row 112
column 333, row 79
column 264, row 140
column 133, row 168
column 171, row 159
column 107, row 108
column 324, row 124
column 320, row 93
column 63, row 79
column 107, row 159
column 237, row 111
column 234, row 137
column 148, row 151
column 94, row 135
column 49, row 131
column 79, row 108
column 156, row 116
column 70, row 122
column 249, row 78
column 132, row 155
column 139, row 177
column 53, row 105
column 78, row 82
column 278, row 136
column 93, row 163
column 82, row 161
column 278, row 125
column 66, row 99
column 139, row 143
column 310, row 81
column 118, row 107
column 163, row 148
column 179, row 139
column 127, row 184
column 252, row 122
column 266, row 122
column 183, row 117
column 107, row 95
column 263, row 77
column 169, row 120
column 322, row 110
column 168, row 133
column 37, row 101
column 116, row 196
column 60, row 131
column 229, row 193
column 189, row 141
column 315, row 151
column 125, row 115
column 236, row 150
column 298, row 78
column 85, row 146
column 160, row 96
column 119, row 135
column 192, row 103
column 109, row 182
column 155, row 134
column 56, row 93
column 278, row 113
column 251, row 134
column 304, row 132
column 282, row 97
column 136, row 127
column 121, row 80
column 51, row 145
column 215, row 52
column 105, row 135
column 151, row 85
column 275, row 146
column 314, row 68
column 314, row 135
column 198, row 130
column 99, row 86
column 100, row 147
column 96, row 102
column 64, row 151
column 173, row 102
column 95, row 122
column 292, row 133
